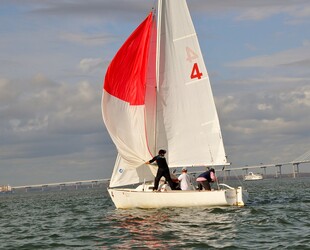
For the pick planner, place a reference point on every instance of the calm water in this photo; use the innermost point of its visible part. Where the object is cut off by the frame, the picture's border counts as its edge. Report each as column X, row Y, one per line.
column 276, row 217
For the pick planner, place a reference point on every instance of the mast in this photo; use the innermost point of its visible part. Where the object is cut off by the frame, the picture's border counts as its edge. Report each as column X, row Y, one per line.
column 158, row 33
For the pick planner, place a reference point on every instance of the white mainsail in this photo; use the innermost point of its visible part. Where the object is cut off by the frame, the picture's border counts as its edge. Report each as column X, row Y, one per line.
column 188, row 125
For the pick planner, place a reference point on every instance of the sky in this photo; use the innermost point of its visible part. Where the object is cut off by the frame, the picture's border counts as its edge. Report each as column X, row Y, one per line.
column 54, row 55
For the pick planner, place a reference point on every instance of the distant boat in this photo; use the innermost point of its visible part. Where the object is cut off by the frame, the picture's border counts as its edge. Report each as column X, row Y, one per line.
column 157, row 95
column 252, row 177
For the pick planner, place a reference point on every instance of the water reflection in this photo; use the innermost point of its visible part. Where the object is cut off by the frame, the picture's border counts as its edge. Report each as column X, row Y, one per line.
column 161, row 229
column 141, row 228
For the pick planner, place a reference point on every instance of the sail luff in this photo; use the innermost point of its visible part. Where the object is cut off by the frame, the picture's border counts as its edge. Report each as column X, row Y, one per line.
column 150, row 96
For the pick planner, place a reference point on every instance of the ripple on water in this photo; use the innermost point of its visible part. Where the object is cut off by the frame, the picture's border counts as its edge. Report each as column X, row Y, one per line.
column 276, row 217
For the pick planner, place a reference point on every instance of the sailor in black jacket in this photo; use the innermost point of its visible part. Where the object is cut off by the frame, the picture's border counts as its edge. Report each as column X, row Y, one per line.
column 163, row 169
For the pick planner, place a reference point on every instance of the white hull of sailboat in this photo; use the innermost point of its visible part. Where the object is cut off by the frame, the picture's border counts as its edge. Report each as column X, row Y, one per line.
column 131, row 198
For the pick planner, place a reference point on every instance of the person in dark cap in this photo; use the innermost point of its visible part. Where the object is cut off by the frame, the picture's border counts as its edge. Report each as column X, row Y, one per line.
column 163, row 169
column 205, row 179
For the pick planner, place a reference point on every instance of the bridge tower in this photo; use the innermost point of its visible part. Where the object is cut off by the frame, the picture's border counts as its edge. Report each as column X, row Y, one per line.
column 278, row 171
column 295, row 170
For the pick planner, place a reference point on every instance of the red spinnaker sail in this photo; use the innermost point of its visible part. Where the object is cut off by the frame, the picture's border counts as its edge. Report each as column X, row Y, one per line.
column 126, row 75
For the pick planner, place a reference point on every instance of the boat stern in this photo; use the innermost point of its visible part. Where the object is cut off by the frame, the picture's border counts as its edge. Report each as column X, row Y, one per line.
column 235, row 196
column 242, row 196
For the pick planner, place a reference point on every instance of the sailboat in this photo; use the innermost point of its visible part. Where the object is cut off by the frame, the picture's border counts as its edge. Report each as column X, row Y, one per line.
column 157, row 95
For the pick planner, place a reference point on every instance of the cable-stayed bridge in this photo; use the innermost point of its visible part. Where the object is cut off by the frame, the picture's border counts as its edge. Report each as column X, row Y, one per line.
column 305, row 158
column 61, row 185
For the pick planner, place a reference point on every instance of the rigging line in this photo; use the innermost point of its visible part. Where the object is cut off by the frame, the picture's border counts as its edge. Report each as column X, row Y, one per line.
column 211, row 156
column 303, row 156
column 240, row 182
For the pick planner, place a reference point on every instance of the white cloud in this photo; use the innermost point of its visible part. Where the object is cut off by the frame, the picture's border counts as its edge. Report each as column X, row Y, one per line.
column 263, row 106
column 296, row 11
column 298, row 56
column 37, row 123
column 90, row 64
column 88, row 40
column 259, row 13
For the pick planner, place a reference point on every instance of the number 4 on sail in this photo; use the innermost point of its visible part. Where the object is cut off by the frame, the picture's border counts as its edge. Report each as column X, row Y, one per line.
column 157, row 94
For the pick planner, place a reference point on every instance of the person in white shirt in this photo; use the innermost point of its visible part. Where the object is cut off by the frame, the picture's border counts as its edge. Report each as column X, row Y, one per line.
column 185, row 180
